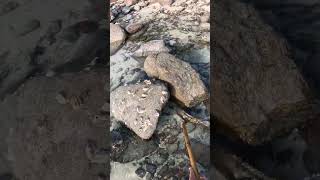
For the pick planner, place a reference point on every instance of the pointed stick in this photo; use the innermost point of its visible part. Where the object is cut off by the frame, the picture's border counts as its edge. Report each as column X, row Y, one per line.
column 189, row 150
column 187, row 117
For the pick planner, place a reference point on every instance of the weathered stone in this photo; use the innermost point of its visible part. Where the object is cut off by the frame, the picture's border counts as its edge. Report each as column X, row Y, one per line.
column 117, row 37
column 150, row 48
column 139, row 106
column 258, row 92
column 163, row 2
column 186, row 85
column 49, row 134
column 130, row 2
column 134, row 27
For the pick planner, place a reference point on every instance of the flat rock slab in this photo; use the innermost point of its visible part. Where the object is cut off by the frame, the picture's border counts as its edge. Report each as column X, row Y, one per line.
column 186, row 85
column 258, row 92
column 139, row 106
column 117, row 37
column 151, row 48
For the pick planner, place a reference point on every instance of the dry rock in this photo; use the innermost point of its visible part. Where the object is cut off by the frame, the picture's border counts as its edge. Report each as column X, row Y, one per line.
column 139, row 106
column 150, row 48
column 134, row 27
column 258, row 91
column 163, row 2
column 130, row 2
column 117, row 37
column 187, row 87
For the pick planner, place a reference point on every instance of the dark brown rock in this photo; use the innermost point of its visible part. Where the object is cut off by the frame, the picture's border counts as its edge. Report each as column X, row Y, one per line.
column 257, row 91
column 229, row 166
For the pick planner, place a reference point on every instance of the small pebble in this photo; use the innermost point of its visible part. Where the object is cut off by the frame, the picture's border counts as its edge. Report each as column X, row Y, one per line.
column 140, row 172
column 151, row 168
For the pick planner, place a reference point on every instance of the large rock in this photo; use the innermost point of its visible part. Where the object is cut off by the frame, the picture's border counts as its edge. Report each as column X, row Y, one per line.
column 258, row 92
column 139, row 106
column 117, row 37
column 300, row 28
column 186, row 85
column 58, row 138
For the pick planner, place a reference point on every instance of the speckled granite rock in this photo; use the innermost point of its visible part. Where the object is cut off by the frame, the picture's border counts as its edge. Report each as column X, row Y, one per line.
column 139, row 106
column 186, row 84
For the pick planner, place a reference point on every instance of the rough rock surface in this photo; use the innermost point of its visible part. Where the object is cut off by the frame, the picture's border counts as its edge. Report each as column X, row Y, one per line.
column 298, row 21
column 50, row 139
column 117, row 38
column 151, row 48
column 34, row 40
column 139, row 106
column 186, row 84
column 229, row 166
column 258, row 91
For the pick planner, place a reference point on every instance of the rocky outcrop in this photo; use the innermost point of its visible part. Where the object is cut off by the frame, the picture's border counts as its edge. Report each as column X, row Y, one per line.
column 258, row 92
column 186, row 84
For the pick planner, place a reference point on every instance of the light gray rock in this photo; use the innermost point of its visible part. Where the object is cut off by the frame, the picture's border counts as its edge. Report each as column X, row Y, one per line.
column 139, row 106
column 150, row 48
column 187, row 86
column 117, row 37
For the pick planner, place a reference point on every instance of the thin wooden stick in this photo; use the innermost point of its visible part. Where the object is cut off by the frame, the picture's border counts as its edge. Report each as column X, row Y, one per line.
column 189, row 150
column 187, row 117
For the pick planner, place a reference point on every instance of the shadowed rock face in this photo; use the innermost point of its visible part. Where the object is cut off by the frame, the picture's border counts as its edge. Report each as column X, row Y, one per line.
column 258, row 92
column 58, row 127
column 298, row 21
